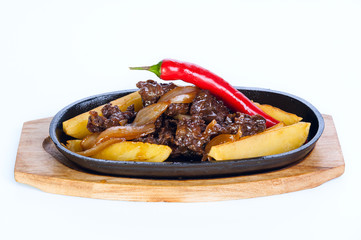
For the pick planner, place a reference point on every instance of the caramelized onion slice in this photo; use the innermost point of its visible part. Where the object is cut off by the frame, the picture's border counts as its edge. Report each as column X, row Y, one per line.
column 182, row 117
column 89, row 141
column 220, row 139
column 128, row 132
column 100, row 146
column 149, row 114
column 180, row 95
column 211, row 127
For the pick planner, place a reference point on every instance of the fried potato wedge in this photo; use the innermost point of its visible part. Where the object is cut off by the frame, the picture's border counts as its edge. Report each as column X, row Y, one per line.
column 76, row 126
column 127, row 151
column 279, row 114
column 74, row 145
column 135, row 151
column 270, row 142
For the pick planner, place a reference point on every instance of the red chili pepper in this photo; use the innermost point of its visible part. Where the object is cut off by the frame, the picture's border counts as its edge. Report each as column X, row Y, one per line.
column 168, row 69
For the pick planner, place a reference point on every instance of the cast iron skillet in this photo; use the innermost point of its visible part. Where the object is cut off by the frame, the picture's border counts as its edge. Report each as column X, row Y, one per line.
column 192, row 168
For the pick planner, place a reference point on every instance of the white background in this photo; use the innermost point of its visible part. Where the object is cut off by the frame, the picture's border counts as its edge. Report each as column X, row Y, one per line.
column 55, row 52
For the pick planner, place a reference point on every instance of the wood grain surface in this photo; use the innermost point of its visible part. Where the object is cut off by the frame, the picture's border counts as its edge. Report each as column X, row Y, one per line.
column 40, row 165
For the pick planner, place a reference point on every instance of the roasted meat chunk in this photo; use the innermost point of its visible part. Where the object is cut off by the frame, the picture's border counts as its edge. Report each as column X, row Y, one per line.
column 151, row 91
column 249, row 125
column 112, row 116
column 208, row 107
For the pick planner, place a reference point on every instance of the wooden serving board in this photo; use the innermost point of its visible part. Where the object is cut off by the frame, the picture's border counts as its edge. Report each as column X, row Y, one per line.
column 39, row 164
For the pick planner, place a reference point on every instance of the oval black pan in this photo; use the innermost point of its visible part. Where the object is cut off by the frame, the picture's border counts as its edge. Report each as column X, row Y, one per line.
column 191, row 168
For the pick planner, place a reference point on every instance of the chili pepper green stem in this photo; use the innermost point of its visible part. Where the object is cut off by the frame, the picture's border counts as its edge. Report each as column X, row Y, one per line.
column 156, row 69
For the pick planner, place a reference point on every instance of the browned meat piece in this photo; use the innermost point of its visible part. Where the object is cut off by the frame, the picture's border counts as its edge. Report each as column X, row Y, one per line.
column 208, row 107
column 189, row 133
column 193, row 134
column 250, row 125
column 110, row 109
column 95, row 122
column 177, row 108
column 151, row 91
column 164, row 134
column 112, row 116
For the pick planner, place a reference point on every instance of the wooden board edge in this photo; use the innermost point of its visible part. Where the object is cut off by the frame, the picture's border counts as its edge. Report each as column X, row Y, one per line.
column 163, row 193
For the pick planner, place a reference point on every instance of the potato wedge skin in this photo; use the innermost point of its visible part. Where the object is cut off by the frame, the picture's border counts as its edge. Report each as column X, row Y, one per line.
column 76, row 126
column 279, row 114
column 135, row 151
column 266, row 143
